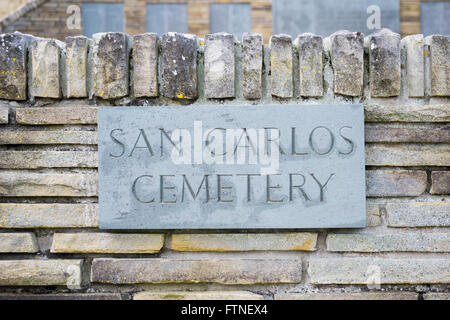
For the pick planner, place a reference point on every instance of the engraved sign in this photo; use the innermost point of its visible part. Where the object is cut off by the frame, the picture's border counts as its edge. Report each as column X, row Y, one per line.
column 231, row 167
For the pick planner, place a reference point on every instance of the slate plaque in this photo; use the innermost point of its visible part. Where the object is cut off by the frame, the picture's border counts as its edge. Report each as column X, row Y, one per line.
column 435, row 18
column 102, row 17
column 167, row 17
column 324, row 17
column 236, row 167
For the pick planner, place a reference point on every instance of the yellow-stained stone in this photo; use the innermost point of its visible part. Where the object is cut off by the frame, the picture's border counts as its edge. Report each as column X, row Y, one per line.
column 106, row 243
column 407, row 155
column 244, row 242
column 18, row 243
column 349, row 296
column 48, row 137
column 207, row 295
column 41, row 273
column 48, row 159
column 19, row 184
column 80, row 114
column 48, row 215
column 373, row 215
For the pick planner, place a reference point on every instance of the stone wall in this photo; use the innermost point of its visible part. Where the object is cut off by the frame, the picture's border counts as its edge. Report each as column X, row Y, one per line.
column 50, row 243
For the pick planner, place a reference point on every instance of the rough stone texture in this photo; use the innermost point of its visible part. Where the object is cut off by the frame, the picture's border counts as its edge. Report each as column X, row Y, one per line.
column 107, row 243
column 373, row 215
column 46, row 68
column 418, row 214
column 281, row 66
column 219, row 66
column 395, row 242
column 110, row 65
column 76, row 66
column 40, row 273
column 4, row 115
column 178, row 63
column 48, row 137
column 414, row 64
column 145, row 65
column 347, row 61
column 395, row 183
column 407, row 113
column 388, row 133
column 48, row 159
column 310, row 48
column 440, row 180
column 349, row 296
column 18, row 242
column 19, row 184
column 436, row 296
column 48, row 215
column 223, row 271
column 439, row 64
column 252, row 52
column 244, row 242
column 384, row 63
column 390, row 271
column 207, row 295
column 13, row 66
column 47, row 115
column 62, row 296
column 407, row 155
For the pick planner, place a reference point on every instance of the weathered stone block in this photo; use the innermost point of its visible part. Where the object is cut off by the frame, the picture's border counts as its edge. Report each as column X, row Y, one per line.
column 48, row 215
column 189, row 295
column 396, row 242
column 178, row 63
column 281, row 66
column 40, row 273
column 252, row 57
column 107, row 243
column 145, row 65
column 384, row 63
column 373, row 215
column 418, row 214
column 76, row 66
column 310, row 48
column 395, row 133
column 440, row 180
column 48, row 137
column 395, row 183
column 46, row 68
column 347, row 61
column 414, row 65
column 391, row 271
column 407, row 113
column 349, row 296
column 48, row 159
column 407, row 155
column 18, row 242
column 110, row 65
column 19, row 184
column 439, row 64
column 436, row 296
column 49, row 115
column 244, row 242
column 13, row 66
column 219, row 66
column 4, row 115
column 223, row 271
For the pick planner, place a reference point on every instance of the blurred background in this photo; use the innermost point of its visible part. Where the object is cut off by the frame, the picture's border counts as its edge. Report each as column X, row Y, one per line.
column 62, row 18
